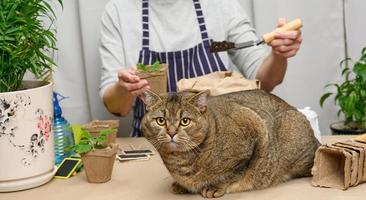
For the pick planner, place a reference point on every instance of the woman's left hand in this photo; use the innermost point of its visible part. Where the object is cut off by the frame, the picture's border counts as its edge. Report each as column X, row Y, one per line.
column 286, row 44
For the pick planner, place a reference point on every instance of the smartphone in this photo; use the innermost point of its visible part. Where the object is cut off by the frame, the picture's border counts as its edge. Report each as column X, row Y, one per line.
column 123, row 157
column 138, row 152
column 67, row 167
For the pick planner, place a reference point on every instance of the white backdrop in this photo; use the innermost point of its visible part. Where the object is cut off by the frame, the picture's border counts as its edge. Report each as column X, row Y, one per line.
column 316, row 64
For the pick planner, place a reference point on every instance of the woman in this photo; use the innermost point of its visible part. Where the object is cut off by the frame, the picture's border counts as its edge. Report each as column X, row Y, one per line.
column 179, row 33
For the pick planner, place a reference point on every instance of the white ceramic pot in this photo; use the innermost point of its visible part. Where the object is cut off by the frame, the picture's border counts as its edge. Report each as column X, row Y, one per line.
column 26, row 138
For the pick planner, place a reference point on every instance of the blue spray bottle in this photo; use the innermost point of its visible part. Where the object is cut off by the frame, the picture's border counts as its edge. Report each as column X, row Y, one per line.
column 62, row 136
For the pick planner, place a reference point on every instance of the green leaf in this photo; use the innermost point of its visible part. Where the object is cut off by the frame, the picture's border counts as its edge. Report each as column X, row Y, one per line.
column 25, row 43
column 323, row 98
column 106, row 131
column 101, row 139
column 344, row 63
column 339, row 113
column 141, row 67
column 6, row 38
column 363, row 54
column 85, row 134
column 77, row 132
column 345, row 70
column 83, row 148
column 156, row 66
column 12, row 10
column 360, row 70
column 60, row 2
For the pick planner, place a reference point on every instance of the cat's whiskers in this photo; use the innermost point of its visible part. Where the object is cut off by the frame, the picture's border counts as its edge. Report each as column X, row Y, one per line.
column 158, row 142
column 155, row 143
column 194, row 147
column 189, row 145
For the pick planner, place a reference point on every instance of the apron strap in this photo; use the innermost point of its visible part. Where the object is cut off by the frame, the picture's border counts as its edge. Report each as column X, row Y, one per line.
column 201, row 21
column 145, row 24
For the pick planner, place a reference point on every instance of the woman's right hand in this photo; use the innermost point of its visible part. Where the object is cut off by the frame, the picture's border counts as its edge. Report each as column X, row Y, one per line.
column 131, row 83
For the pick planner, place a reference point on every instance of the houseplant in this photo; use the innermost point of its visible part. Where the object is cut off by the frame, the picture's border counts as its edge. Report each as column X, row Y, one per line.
column 155, row 74
column 350, row 95
column 98, row 157
column 26, row 139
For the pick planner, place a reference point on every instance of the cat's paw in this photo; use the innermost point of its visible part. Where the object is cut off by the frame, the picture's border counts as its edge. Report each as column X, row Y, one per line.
column 178, row 189
column 213, row 192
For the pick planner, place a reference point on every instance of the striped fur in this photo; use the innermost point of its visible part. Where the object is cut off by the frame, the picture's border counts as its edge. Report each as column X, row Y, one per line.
column 233, row 143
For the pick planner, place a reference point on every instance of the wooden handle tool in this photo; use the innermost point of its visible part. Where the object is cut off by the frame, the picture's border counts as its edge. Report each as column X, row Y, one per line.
column 266, row 38
column 290, row 26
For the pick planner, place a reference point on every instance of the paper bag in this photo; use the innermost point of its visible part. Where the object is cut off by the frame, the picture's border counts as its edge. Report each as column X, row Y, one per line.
column 361, row 138
column 219, row 83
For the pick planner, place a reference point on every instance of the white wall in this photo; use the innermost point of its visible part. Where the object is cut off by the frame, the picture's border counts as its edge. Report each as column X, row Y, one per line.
column 316, row 62
column 315, row 65
column 69, row 76
column 355, row 15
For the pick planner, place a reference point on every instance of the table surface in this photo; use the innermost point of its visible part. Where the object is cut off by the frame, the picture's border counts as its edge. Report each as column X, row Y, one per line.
column 150, row 180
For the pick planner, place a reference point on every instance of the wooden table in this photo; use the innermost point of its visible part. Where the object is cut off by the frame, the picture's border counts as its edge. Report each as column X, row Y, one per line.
column 149, row 180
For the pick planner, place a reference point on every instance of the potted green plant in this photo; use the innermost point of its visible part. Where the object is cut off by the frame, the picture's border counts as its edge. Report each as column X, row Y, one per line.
column 350, row 95
column 97, row 156
column 155, row 74
column 27, row 150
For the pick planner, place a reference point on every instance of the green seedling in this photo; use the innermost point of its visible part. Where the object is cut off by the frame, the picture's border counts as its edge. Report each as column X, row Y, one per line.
column 156, row 66
column 89, row 143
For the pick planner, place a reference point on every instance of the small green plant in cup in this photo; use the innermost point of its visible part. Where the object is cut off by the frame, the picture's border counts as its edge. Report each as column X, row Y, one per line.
column 97, row 155
column 89, row 143
column 155, row 67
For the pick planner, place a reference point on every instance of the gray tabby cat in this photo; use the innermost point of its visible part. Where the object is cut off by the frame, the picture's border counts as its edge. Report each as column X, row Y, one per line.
column 230, row 143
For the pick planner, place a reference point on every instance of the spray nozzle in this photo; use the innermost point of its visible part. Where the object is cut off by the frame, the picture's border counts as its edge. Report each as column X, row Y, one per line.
column 57, row 112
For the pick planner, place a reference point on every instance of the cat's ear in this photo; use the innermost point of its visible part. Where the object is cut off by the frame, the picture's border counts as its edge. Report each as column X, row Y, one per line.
column 150, row 98
column 200, row 100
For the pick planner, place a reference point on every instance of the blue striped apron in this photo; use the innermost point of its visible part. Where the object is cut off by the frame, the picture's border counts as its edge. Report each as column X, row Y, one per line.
column 188, row 63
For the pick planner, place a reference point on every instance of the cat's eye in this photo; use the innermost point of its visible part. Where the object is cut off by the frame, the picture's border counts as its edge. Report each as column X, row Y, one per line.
column 185, row 121
column 160, row 121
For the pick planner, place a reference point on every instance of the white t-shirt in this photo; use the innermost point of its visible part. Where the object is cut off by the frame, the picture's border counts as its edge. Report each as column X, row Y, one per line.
column 173, row 26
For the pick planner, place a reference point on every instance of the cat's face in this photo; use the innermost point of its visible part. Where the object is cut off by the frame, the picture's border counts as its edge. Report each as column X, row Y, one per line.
column 175, row 122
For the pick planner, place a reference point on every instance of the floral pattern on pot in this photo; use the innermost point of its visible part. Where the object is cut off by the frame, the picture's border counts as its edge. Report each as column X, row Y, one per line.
column 10, row 110
column 44, row 124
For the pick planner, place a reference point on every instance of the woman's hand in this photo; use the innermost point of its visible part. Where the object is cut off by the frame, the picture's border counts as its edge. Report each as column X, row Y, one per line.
column 131, row 83
column 286, row 44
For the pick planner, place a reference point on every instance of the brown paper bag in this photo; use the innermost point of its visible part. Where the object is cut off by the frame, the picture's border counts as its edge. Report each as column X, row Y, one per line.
column 361, row 138
column 332, row 168
column 219, row 83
